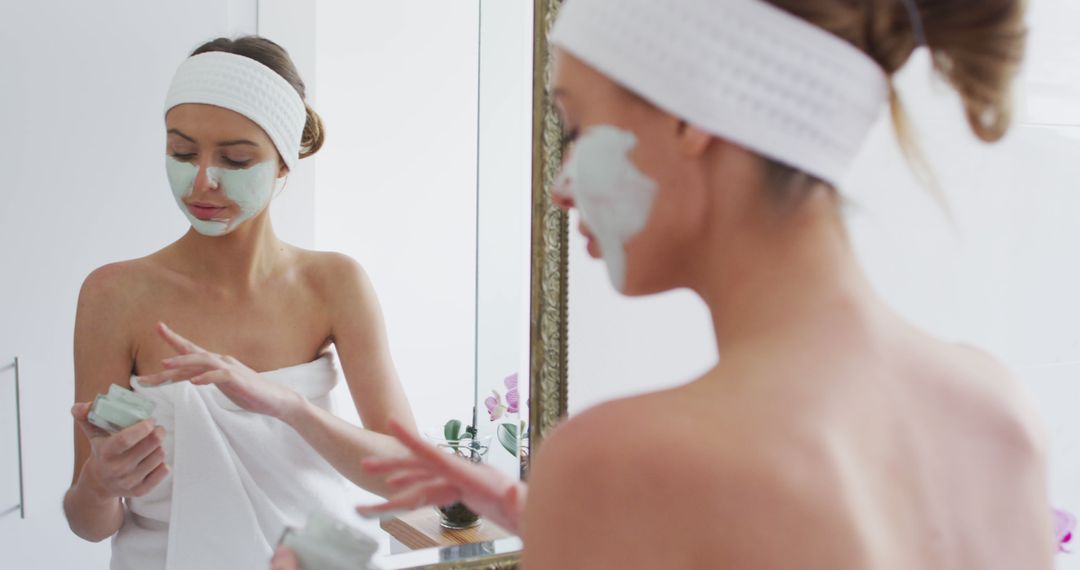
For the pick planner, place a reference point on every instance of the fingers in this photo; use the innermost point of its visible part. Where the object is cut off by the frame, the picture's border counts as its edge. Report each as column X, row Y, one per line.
column 421, row 448
column 171, row 375
column 145, row 447
column 139, row 468
column 152, row 480
column 197, row 360
column 211, row 377
column 384, row 465
column 177, row 342
column 80, row 412
column 184, row 367
column 123, row 440
column 409, row 478
column 144, row 468
column 284, row 559
column 437, row 492
column 91, row 431
column 155, row 379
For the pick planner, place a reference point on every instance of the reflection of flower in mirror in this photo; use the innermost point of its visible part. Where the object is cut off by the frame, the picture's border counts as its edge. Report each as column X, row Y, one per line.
column 512, row 397
column 509, row 432
column 495, row 406
column 1064, row 526
column 494, row 403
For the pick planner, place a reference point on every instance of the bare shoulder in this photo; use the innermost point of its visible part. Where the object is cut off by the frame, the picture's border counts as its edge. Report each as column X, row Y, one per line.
column 348, row 299
column 651, row 434
column 115, row 295
column 1009, row 410
column 109, row 301
column 117, row 285
column 643, row 467
column 578, row 493
column 334, row 275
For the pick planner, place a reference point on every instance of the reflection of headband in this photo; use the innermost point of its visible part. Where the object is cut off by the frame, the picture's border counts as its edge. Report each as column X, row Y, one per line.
column 243, row 85
column 743, row 70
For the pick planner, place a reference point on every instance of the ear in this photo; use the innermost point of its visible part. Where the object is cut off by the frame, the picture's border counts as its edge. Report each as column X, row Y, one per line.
column 283, row 170
column 693, row 142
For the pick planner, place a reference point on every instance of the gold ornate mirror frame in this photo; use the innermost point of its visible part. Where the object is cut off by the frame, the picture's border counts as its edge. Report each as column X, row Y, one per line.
column 548, row 294
column 550, row 234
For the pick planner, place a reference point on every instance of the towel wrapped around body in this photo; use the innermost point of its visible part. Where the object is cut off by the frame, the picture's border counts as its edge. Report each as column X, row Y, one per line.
column 238, row 479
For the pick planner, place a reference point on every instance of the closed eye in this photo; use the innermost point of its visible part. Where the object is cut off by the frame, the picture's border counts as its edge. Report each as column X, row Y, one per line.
column 568, row 139
column 236, row 163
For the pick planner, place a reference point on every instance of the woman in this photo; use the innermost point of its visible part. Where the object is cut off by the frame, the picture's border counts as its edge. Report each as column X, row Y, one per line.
column 710, row 136
column 222, row 469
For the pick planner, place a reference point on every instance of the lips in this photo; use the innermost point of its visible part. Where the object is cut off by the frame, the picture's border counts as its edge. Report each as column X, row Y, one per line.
column 585, row 231
column 591, row 244
column 205, row 211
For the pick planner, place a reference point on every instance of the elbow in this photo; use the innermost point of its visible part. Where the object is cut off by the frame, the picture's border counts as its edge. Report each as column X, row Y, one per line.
column 88, row 534
column 91, row 537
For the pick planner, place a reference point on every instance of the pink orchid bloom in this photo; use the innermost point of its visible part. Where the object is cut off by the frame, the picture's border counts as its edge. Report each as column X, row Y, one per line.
column 1064, row 526
column 512, row 397
column 495, row 407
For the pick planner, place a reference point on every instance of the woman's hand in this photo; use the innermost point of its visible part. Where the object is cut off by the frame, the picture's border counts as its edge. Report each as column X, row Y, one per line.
column 431, row 477
column 128, row 463
column 241, row 384
column 284, row 559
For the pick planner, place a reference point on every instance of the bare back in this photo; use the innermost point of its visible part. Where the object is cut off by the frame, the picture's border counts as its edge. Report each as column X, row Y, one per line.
column 836, row 453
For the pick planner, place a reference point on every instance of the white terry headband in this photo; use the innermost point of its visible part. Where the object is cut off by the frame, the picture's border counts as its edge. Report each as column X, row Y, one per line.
column 248, row 87
column 743, row 70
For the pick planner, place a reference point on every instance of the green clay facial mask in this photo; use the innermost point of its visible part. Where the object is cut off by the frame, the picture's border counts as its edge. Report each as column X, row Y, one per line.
column 250, row 189
column 614, row 197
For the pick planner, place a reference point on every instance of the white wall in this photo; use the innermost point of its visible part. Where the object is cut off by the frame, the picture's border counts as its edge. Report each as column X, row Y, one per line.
column 292, row 25
column 505, row 201
column 83, row 184
column 1005, row 277
column 397, row 186
column 397, row 180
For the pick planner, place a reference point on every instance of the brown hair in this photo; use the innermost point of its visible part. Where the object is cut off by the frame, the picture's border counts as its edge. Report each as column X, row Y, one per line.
column 276, row 58
column 976, row 45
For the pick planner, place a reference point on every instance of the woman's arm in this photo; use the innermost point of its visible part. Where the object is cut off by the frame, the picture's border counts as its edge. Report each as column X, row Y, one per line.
column 359, row 333
column 343, row 445
column 128, row 463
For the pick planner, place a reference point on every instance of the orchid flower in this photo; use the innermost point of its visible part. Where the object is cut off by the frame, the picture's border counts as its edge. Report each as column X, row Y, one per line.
column 494, row 403
column 512, row 397
column 1064, row 526
column 495, row 406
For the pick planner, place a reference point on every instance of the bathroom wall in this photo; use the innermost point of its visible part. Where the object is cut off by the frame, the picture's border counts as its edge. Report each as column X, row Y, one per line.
column 1004, row 275
column 400, row 178
column 398, row 188
column 83, row 184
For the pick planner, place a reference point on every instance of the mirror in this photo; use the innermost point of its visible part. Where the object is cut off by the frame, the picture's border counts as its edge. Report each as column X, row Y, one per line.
column 426, row 183
column 434, row 141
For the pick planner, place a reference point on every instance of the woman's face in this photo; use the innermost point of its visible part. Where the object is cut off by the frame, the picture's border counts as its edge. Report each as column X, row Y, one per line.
column 668, row 156
column 209, row 137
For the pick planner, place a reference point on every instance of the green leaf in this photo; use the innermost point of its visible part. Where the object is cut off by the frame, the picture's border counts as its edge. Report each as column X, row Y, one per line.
column 452, row 430
column 508, row 437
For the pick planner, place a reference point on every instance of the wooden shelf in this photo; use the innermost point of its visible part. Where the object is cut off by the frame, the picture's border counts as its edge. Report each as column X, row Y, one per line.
column 421, row 529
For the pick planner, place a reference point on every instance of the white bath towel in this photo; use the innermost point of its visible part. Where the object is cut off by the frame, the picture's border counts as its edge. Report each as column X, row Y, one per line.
column 238, row 479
